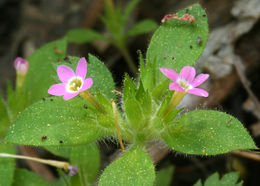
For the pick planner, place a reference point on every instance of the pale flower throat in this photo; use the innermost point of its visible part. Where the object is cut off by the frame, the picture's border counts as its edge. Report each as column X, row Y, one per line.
column 74, row 84
column 184, row 84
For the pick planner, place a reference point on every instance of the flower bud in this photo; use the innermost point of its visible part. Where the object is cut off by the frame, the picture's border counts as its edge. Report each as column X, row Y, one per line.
column 21, row 66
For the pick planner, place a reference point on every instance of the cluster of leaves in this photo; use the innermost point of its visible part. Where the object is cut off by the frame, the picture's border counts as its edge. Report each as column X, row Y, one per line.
column 72, row 127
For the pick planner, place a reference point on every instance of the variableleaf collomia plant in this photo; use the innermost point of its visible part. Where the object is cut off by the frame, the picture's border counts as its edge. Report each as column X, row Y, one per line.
column 84, row 108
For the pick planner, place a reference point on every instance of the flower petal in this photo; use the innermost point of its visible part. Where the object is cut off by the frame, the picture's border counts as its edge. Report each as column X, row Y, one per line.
column 57, row 89
column 198, row 92
column 199, row 79
column 82, row 68
column 87, row 84
column 175, row 86
column 188, row 73
column 70, row 95
column 171, row 74
column 65, row 73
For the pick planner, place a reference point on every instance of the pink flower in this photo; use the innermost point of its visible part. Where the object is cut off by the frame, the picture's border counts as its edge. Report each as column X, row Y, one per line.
column 21, row 65
column 186, row 81
column 72, row 83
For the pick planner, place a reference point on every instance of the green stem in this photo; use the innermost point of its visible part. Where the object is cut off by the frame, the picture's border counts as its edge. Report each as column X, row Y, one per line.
column 128, row 58
column 92, row 100
column 174, row 102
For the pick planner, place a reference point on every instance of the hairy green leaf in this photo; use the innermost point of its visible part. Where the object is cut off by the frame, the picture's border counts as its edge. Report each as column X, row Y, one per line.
column 175, row 43
column 207, row 132
column 135, row 167
column 41, row 71
column 62, row 122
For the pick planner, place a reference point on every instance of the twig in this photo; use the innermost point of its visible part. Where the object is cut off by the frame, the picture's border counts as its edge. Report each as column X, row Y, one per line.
column 248, row 155
column 245, row 82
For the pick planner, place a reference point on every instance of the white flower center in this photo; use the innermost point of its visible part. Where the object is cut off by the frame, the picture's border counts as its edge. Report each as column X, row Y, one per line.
column 184, row 84
column 74, row 84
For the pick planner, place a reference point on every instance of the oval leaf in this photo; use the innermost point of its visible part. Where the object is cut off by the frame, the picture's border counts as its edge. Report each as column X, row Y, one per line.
column 207, row 132
column 133, row 168
column 61, row 122
column 41, row 71
column 175, row 43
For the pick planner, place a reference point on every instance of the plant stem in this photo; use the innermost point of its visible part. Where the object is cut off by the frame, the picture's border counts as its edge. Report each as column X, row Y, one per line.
column 128, row 58
column 174, row 102
column 58, row 164
column 92, row 100
column 117, row 126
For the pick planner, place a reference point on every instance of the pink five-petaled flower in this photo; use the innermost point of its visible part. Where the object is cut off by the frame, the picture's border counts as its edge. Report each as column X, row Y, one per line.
column 72, row 83
column 186, row 81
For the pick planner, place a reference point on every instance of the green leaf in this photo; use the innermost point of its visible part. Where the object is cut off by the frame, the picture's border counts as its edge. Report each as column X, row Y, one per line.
column 102, row 78
column 27, row 178
column 207, row 132
column 62, row 122
column 129, row 88
column 164, row 176
column 4, row 118
column 229, row 179
column 87, row 159
column 41, row 71
column 63, row 151
column 7, row 165
column 129, row 9
column 174, row 44
column 84, row 36
column 134, row 113
column 142, row 27
column 135, row 167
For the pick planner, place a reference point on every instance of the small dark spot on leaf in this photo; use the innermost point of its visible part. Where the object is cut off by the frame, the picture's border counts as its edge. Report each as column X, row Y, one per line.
column 187, row 10
column 191, row 46
column 85, row 106
column 67, row 59
column 228, row 121
column 43, row 99
column 173, row 58
column 204, row 15
column 57, row 51
column 60, row 141
column 58, row 59
column 199, row 40
column 43, row 138
column 51, row 99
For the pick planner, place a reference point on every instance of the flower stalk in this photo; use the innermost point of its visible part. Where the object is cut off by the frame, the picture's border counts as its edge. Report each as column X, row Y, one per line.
column 117, row 126
column 92, row 100
column 174, row 102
